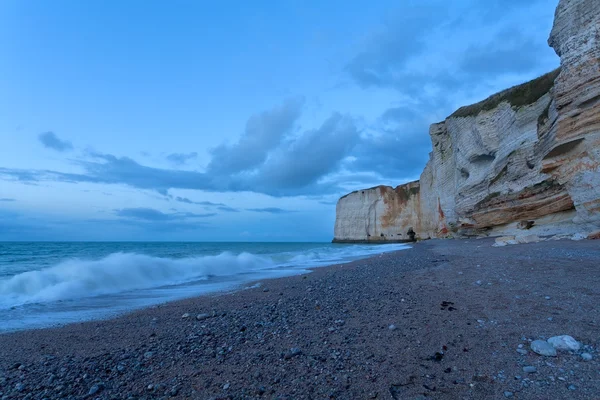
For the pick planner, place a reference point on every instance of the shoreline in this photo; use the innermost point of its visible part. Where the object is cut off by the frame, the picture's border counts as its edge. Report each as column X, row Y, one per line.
column 371, row 328
column 226, row 284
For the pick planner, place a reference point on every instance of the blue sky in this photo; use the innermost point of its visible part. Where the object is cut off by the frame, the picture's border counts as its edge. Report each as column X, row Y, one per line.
column 235, row 121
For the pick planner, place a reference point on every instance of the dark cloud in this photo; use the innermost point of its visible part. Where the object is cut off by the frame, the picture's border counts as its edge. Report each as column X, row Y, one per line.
column 201, row 203
column 263, row 132
column 179, row 159
column 398, row 148
column 287, row 165
column 270, row 210
column 7, row 199
column 51, row 141
column 227, row 209
column 150, row 214
column 303, row 161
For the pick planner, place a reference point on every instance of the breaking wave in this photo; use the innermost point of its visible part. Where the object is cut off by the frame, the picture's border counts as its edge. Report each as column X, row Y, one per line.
column 120, row 272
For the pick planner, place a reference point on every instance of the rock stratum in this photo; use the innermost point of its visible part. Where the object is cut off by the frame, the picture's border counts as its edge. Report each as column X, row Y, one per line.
column 525, row 159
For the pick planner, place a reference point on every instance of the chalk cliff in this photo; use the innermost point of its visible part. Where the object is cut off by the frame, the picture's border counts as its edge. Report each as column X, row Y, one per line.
column 527, row 158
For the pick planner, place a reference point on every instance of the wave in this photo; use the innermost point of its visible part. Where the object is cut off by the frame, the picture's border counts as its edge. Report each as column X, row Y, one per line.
column 125, row 272
column 120, row 272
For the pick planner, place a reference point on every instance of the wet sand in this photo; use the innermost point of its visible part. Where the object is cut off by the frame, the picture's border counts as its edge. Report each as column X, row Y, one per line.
column 442, row 320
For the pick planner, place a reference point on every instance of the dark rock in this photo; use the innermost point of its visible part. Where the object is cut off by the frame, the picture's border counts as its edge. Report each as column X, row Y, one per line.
column 97, row 388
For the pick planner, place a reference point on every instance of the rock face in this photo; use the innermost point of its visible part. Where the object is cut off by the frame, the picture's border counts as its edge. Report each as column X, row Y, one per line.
column 524, row 161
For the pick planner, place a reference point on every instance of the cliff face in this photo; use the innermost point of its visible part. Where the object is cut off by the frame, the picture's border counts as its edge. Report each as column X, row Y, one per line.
column 525, row 158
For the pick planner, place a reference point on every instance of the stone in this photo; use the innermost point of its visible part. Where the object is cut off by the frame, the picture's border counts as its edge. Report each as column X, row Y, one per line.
column 201, row 317
column 19, row 387
column 294, row 351
column 508, row 394
column 226, row 386
column 97, row 388
column 528, row 239
column 185, row 316
column 522, row 352
column 543, row 348
column 572, row 387
column 529, row 369
column 505, row 240
column 508, row 163
column 586, row 356
column 392, row 327
column 564, row 342
column 148, row 354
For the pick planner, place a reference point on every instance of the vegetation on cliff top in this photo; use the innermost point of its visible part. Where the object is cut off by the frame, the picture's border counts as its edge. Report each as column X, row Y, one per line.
column 518, row 96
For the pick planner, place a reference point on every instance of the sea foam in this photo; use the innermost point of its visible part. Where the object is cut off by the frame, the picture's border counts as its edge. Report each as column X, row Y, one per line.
column 120, row 272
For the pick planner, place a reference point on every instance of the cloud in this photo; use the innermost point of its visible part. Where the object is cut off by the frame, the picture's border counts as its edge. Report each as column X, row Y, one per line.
column 446, row 46
column 150, row 214
column 7, row 199
column 270, row 210
column 304, row 160
column 179, row 159
column 263, row 132
column 51, row 141
column 437, row 56
column 227, row 209
column 201, row 203
column 287, row 165
column 397, row 147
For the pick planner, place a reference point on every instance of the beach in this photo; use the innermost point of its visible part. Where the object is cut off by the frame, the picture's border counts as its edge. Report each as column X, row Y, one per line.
column 446, row 319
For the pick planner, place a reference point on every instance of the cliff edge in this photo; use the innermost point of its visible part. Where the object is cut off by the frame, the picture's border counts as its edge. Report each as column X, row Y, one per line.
column 527, row 158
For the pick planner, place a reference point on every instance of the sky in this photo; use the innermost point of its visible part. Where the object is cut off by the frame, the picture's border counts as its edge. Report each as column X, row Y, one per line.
column 235, row 121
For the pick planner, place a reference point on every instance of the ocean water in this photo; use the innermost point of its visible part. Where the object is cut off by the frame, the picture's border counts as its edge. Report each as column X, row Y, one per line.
column 44, row 284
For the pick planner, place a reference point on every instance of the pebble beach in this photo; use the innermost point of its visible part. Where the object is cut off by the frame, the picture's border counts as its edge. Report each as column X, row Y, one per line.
column 446, row 319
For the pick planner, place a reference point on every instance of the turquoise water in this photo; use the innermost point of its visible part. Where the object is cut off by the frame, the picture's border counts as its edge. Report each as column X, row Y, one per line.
column 44, row 284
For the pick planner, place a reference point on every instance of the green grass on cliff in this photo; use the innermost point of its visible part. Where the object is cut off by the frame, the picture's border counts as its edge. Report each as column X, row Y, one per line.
column 518, row 96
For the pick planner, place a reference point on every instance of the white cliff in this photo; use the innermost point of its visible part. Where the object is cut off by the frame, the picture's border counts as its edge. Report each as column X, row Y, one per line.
column 527, row 158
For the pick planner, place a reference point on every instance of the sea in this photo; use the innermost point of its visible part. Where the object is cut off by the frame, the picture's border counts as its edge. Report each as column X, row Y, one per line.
column 45, row 284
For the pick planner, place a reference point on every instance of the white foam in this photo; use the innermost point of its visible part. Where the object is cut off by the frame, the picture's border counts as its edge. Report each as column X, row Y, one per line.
column 127, row 272
column 119, row 272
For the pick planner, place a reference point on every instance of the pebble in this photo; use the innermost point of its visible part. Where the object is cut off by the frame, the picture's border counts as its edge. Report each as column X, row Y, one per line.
column 96, row 389
column 201, row 317
column 529, row 369
column 294, row 351
column 586, row 356
column 185, row 316
column 547, row 297
column 564, row 342
column 543, row 348
column 572, row 387
column 226, row 386
column 20, row 387
column 148, row 354
column 508, row 394
column 523, row 352
column 392, row 327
